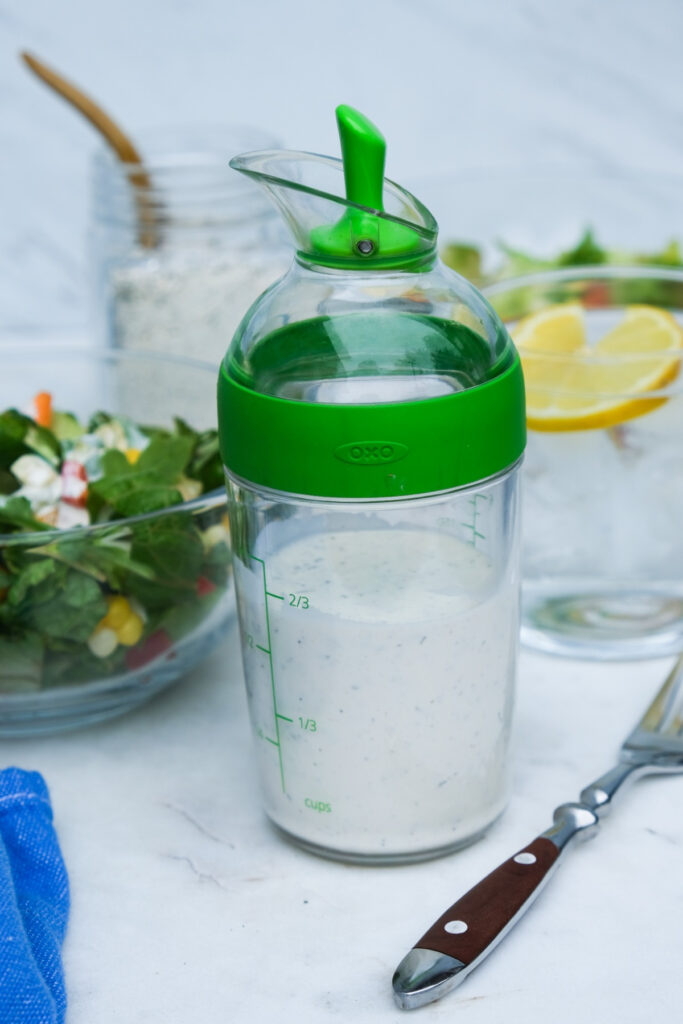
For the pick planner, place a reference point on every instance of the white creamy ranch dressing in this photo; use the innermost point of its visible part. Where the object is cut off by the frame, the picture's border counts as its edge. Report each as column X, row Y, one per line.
column 380, row 687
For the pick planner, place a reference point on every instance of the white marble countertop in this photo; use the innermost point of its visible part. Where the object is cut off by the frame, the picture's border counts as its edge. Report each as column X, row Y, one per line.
column 187, row 906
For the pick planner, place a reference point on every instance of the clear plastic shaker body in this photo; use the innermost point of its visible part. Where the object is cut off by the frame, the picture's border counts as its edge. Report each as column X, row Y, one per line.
column 379, row 646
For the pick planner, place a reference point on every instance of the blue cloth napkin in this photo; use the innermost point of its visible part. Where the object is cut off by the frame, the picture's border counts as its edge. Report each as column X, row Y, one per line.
column 34, row 903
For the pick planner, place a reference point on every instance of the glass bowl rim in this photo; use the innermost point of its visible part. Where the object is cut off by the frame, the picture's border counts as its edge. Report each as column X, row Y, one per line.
column 100, row 353
column 593, row 273
column 597, row 272
column 602, row 271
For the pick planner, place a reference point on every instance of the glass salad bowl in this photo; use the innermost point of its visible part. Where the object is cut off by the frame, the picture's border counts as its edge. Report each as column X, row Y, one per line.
column 115, row 570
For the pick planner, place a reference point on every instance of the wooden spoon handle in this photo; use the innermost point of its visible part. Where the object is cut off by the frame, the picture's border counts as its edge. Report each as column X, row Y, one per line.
column 116, row 138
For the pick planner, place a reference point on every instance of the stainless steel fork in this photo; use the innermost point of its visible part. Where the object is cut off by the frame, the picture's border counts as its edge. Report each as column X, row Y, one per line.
column 475, row 924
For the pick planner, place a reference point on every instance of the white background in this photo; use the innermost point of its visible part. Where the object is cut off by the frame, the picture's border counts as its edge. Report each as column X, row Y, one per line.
column 454, row 84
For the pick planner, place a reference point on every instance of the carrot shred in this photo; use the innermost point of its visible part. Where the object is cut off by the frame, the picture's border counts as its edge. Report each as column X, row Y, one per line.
column 42, row 404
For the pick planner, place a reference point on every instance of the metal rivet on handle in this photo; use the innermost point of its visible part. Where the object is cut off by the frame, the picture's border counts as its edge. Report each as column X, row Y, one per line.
column 525, row 858
column 455, row 927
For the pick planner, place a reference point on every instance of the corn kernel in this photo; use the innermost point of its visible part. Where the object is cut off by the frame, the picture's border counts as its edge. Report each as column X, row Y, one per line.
column 102, row 642
column 119, row 612
column 213, row 535
column 130, row 632
column 132, row 454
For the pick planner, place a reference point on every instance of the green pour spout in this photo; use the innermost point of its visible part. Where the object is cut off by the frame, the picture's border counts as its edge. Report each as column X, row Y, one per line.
column 364, row 151
column 345, row 213
column 364, row 233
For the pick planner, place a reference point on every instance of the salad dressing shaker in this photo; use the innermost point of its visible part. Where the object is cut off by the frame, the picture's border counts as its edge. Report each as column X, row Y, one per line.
column 371, row 416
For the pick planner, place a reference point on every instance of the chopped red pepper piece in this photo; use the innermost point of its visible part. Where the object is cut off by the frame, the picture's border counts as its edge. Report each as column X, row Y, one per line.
column 204, row 586
column 596, row 296
column 155, row 644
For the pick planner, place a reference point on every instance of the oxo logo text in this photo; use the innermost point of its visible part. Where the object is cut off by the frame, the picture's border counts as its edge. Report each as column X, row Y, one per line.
column 371, row 453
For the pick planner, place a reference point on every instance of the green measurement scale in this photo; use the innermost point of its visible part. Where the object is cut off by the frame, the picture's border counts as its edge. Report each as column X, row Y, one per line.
column 475, row 526
column 280, row 722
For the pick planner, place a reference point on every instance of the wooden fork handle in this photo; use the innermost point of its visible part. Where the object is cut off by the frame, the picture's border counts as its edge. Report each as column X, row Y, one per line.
column 475, row 924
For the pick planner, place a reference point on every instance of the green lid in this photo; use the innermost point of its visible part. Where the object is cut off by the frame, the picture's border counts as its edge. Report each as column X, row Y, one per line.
column 370, row 370
column 288, row 422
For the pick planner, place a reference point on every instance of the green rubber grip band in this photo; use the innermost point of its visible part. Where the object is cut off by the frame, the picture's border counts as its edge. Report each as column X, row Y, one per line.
column 387, row 450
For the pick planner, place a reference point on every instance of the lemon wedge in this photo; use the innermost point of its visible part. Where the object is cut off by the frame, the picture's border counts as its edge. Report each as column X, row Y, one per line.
column 555, row 329
column 573, row 386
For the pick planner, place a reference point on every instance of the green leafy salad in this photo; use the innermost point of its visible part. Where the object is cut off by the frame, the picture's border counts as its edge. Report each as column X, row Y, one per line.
column 468, row 259
column 507, row 262
column 93, row 583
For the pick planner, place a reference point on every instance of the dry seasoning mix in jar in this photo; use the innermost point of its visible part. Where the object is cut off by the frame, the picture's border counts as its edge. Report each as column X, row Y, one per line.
column 180, row 251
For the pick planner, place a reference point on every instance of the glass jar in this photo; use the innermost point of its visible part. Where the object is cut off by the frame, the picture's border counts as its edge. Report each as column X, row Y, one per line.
column 602, row 560
column 179, row 249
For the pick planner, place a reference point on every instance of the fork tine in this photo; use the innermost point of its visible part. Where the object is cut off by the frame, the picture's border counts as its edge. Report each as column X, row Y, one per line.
column 665, row 713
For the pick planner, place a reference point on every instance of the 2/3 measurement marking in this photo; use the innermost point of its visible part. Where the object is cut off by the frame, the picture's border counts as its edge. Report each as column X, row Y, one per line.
column 299, row 601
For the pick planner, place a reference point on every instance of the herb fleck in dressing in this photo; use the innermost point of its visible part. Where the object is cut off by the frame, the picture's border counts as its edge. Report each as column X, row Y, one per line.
column 380, row 669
